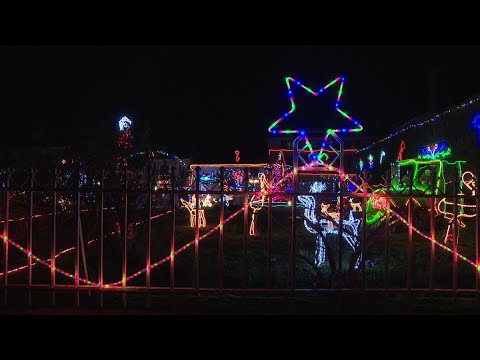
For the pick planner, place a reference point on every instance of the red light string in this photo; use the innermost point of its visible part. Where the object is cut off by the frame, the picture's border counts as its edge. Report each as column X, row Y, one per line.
column 73, row 247
column 422, row 233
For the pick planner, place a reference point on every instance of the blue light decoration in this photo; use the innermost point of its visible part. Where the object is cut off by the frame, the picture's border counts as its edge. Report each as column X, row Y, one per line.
column 206, row 178
column 324, row 226
column 382, row 155
column 438, row 150
column 476, row 124
column 124, row 123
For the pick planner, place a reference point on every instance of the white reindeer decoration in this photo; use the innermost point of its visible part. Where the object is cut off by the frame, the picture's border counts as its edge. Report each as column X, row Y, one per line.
column 350, row 226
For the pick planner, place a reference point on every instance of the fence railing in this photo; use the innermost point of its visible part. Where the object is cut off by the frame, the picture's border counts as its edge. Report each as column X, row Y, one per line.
column 138, row 232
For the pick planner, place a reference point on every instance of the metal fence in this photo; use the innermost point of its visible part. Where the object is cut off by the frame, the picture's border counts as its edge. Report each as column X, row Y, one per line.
column 100, row 232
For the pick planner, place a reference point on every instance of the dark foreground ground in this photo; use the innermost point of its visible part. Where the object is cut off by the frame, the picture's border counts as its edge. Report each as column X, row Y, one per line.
column 228, row 304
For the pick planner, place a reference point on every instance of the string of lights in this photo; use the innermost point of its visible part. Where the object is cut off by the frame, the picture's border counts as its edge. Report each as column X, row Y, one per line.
column 44, row 262
column 422, row 123
column 73, row 247
column 425, row 235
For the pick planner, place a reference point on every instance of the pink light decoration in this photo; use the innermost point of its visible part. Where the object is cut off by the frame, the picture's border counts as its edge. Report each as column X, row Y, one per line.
column 400, row 151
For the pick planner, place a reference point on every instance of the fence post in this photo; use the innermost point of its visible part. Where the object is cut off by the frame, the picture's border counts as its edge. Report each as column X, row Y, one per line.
column 220, row 236
column 269, row 231
column 454, row 228
column 53, row 248
column 172, row 239
column 30, row 236
column 432, row 231
column 245, row 230
column 125, row 233
column 340, row 231
column 292, row 247
column 410, row 233
column 477, row 234
column 5, row 234
column 386, row 255
column 197, row 230
column 102, row 205
column 364, row 231
column 77, row 247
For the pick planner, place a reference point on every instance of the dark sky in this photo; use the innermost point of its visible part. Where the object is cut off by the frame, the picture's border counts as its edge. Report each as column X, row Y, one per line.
column 211, row 100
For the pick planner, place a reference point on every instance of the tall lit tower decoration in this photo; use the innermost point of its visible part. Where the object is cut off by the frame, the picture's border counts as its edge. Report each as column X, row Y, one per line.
column 124, row 142
column 317, row 158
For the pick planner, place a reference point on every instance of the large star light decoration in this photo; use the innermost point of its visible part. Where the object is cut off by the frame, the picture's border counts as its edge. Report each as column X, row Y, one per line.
column 289, row 80
column 316, row 158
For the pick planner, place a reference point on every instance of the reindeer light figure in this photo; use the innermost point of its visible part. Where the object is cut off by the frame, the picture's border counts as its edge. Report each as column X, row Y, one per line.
column 191, row 207
column 355, row 206
column 350, row 233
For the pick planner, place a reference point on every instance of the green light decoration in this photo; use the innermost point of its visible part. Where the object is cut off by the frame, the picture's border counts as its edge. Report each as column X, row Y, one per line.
column 422, row 182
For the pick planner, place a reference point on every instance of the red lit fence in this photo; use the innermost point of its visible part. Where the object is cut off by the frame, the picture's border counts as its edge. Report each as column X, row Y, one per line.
column 98, row 233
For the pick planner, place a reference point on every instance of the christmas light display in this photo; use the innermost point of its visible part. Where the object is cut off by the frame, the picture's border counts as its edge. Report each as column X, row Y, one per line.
column 282, row 178
column 476, row 124
column 328, row 225
column 123, row 281
column 238, row 176
column 317, row 159
column 288, row 80
column 382, row 155
column 226, row 199
column 435, row 151
column 370, row 161
column 12, row 271
column 469, row 180
column 434, row 241
column 124, row 143
column 424, row 182
column 206, row 201
column 312, row 208
column 401, row 150
column 191, row 207
column 422, row 123
column 421, row 233
column 65, row 251
column 46, row 263
column 462, row 208
column 237, row 156
column 356, row 207
column 360, row 164
column 175, row 253
column 257, row 205
column 124, row 123
column 379, row 202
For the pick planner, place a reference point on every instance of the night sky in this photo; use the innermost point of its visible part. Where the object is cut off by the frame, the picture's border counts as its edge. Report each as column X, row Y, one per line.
column 207, row 101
